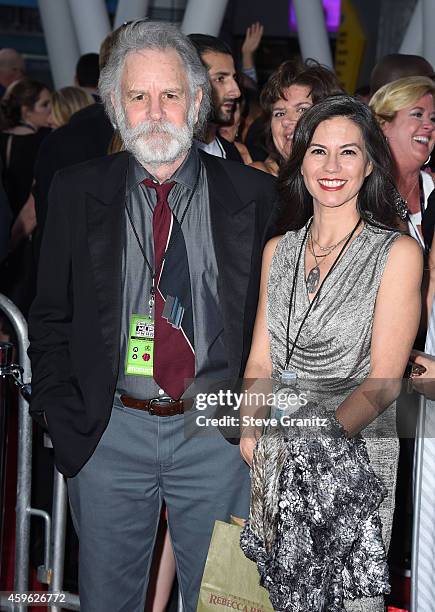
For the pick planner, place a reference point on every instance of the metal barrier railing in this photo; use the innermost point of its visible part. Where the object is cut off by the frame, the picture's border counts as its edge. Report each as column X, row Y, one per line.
column 51, row 573
column 418, row 471
column 5, row 362
column 24, row 454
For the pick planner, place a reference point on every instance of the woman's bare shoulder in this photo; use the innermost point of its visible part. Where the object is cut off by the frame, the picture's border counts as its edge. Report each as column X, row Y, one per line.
column 405, row 259
column 266, row 166
column 259, row 165
column 406, row 246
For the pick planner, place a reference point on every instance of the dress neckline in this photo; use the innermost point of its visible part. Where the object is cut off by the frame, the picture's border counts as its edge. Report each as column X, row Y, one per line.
column 327, row 286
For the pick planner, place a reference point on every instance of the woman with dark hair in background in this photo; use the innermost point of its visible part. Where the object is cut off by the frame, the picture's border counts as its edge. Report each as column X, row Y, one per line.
column 290, row 91
column 338, row 313
column 25, row 110
column 24, row 123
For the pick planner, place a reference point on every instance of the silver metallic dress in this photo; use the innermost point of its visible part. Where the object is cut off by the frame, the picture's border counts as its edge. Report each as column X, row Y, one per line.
column 314, row 527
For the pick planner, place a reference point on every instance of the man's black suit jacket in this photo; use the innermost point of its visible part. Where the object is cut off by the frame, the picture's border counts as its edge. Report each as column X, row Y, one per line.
column 75, row 320
column 230, row 149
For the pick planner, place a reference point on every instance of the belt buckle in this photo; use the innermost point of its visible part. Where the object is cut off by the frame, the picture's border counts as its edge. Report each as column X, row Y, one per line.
column 157, row 400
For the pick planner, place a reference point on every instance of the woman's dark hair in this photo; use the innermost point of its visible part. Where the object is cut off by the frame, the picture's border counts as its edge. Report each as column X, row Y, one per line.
column 376, row 198
column 21, row 93
column 321, row 82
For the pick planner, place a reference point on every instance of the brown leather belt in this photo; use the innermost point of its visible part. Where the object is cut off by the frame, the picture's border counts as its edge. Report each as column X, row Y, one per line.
column 157, row 406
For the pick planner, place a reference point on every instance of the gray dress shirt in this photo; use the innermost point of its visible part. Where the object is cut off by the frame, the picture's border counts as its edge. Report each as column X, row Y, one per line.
column 210, row 355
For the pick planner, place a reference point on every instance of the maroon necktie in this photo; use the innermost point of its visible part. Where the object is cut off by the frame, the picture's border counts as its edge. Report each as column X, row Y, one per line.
column 174, row 359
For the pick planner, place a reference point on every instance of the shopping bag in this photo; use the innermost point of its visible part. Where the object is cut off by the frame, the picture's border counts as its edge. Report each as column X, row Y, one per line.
column 230, row 580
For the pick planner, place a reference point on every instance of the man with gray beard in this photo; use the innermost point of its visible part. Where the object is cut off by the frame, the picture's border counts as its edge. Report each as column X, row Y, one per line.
column 147, row 289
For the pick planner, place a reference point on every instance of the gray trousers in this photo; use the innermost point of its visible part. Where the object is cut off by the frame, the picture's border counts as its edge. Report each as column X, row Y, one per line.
column 116, row 499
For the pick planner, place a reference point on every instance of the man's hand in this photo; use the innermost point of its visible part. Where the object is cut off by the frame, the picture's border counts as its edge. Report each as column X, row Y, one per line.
column 253, row 36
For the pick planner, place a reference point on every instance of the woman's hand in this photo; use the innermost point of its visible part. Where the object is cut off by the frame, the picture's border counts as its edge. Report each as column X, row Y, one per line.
column 24, row 224
column 247, row 445
column 253, row 36
column 424, row 382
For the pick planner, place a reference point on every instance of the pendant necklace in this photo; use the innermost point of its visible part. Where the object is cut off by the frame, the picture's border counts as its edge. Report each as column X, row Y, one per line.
column 290, row 348
column 329, row 248
column 313, row 277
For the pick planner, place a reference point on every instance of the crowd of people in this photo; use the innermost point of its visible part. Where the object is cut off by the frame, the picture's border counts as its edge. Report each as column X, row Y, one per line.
column 170, row 227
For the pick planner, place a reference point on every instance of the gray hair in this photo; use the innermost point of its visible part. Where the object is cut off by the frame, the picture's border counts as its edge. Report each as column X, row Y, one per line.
column 143, row 34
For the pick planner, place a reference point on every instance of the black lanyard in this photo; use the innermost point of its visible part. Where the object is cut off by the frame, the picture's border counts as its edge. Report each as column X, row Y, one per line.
column 421, row 240
column 289, row 351
column 153, row 272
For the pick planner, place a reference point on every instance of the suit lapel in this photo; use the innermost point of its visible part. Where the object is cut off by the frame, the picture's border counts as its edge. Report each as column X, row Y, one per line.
column 230, row 149
column 233, row 226
column 105, row 228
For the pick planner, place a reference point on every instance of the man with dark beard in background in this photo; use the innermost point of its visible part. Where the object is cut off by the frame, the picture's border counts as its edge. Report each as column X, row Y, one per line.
column 148, row 279
column 217, row 58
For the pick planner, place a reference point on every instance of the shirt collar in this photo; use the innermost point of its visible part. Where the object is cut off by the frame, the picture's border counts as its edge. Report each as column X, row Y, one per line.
column 185, row 175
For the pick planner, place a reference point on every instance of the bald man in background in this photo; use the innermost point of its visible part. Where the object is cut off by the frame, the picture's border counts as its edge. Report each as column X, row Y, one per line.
column 398, row 66
column 11, row 68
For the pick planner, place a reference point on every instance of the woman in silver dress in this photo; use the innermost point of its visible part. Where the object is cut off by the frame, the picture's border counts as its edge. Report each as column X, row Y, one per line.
column 339, row 310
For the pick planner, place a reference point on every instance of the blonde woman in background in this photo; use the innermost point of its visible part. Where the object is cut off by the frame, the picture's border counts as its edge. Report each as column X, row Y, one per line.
column 67, row 101
column 116, row 145
column 405, row 110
